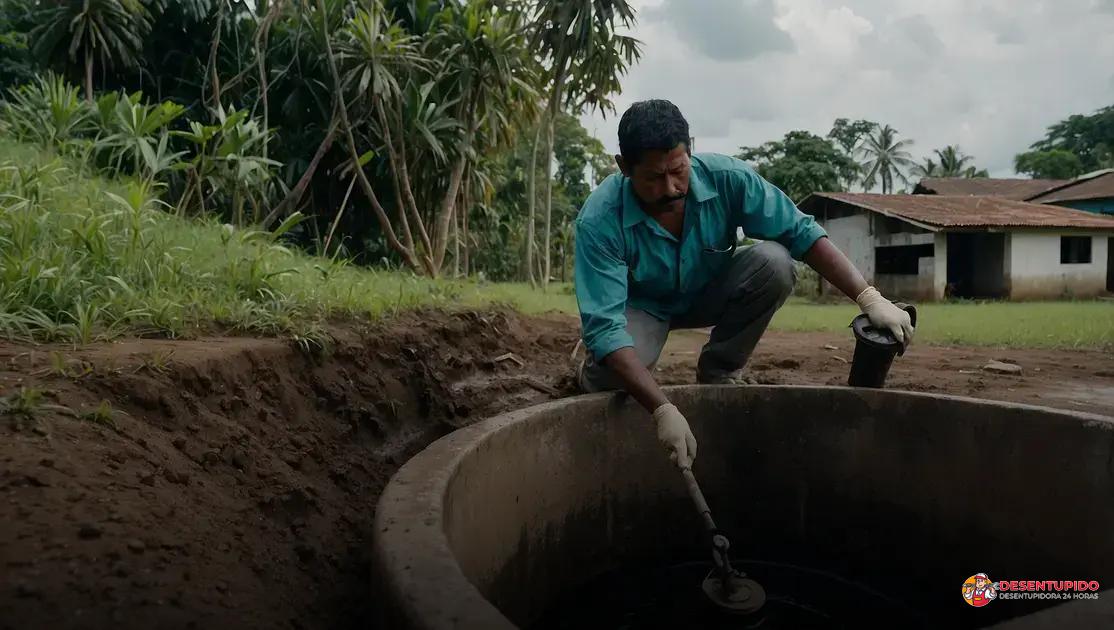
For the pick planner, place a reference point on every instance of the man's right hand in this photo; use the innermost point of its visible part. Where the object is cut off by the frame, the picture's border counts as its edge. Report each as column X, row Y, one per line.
column 674, row 433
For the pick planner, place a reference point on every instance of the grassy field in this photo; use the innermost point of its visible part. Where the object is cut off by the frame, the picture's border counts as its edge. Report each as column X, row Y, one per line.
column 1081, row 324
column 83, row 259
column 1084, row 324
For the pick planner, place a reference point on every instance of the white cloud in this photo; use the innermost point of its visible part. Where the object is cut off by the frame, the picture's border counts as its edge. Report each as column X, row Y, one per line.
column 724, row 29
column 989, row 76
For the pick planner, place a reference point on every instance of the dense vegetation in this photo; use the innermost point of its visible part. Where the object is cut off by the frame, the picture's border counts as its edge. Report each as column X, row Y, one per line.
column 434, row 159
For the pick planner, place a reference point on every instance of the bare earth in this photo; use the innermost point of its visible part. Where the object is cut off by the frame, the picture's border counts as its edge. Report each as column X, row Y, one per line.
column 1079, row 380
column 234, row 484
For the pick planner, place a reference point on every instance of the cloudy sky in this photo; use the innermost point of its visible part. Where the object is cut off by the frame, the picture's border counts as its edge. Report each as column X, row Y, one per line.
column 988, row 75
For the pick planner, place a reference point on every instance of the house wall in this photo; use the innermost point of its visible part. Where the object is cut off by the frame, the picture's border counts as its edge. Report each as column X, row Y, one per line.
column 852, row 235
column 940, row 267
column 921, row 287
column 1034, row 269
column 1101, row 206
column 857, row 236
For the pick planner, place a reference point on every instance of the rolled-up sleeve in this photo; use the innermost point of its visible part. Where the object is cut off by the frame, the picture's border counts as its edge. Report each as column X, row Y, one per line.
column 600, row 274
column 769, row 214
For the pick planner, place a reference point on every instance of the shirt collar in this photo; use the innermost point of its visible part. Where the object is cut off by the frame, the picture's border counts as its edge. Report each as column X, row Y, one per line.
column 700, row 190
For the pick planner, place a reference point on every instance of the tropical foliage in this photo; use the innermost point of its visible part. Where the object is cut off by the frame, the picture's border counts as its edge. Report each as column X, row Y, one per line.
column 1076, row 145
column 950, row 161
column 395, row 126
column 801, row 163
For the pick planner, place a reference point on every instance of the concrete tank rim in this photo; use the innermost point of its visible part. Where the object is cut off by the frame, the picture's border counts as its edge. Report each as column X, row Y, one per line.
column 411, row 551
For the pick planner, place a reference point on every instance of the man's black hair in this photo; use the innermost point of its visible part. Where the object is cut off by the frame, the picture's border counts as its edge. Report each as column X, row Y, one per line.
column 655, row 125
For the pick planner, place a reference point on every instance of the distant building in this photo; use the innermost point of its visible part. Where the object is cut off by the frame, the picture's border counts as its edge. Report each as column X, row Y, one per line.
column 1093, row 192
column 928, row 247
column 1016, row 189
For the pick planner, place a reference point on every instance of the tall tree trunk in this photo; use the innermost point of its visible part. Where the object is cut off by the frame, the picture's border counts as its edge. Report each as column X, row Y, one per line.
column 554, row 110
column 400, row 171
column 531, row 204
column 456, row 244
column 88, row 73
column 213, row 50
column 407, row 235
column 465, row 207
column 350, row 140
column 564, row 260
column 294, row 197
column 261, row 36
column 445, row 213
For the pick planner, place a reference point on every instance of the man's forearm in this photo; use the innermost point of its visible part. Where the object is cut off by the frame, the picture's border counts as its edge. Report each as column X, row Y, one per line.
column 636, row 379
column 834, row 267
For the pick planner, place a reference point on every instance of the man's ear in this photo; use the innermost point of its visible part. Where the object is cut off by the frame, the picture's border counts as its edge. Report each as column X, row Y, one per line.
column 622, row 164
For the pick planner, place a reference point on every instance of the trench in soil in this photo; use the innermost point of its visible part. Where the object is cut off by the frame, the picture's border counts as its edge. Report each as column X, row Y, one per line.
column 237, row 487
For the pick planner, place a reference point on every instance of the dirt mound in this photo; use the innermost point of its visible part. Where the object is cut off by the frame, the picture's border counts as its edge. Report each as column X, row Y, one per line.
column 232, row 482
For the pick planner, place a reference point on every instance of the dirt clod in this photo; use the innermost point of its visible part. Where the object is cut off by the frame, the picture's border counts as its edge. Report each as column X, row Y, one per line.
column 89, row 531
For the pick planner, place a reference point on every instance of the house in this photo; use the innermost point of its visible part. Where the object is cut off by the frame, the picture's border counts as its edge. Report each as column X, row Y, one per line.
column 1016, row 189
column 1093, row 192
column 928, row 247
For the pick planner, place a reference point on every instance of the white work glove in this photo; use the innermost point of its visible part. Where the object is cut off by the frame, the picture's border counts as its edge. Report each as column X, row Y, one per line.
column 884, row 314
column 674, row 433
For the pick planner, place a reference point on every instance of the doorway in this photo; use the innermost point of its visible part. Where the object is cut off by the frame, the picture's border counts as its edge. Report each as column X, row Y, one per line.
column 976, row 265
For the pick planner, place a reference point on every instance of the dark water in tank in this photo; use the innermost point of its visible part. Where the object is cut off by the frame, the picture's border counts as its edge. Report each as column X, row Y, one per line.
column 671, row 597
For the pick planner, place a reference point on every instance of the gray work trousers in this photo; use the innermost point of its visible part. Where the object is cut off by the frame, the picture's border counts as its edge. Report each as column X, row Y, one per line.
column 738, row 304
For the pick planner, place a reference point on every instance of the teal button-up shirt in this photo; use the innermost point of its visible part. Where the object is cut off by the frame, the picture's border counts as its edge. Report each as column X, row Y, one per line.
column 624, row 257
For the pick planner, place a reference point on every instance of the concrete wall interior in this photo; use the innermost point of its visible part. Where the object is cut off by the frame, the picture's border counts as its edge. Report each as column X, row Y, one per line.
column 977, row 265
column 1036, row 270
column 908, row 493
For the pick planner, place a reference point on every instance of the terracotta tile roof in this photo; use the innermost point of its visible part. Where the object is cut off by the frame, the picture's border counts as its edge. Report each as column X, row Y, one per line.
column 1019, row 189
column 937, row 212
column 1097, row 185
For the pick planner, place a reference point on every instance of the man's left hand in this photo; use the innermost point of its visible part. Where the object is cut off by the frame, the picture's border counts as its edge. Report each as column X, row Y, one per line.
column 884, row 314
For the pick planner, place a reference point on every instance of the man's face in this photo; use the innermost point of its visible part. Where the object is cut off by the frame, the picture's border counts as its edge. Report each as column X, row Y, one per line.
column 660, row 179
column 980, row 583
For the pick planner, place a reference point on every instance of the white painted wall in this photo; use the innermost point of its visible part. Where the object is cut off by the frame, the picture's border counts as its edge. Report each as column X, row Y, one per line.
column 852, row 235
column 1033, row 265
column 940, row 265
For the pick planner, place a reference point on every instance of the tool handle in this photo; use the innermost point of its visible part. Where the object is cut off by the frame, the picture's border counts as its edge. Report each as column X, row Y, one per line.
column 698, row 499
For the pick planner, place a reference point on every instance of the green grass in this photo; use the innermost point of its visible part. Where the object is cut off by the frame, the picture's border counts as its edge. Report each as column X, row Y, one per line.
column 1082, row 324
column 85, row 259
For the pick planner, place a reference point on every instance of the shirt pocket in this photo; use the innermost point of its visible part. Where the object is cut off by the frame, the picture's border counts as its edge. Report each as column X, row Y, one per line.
column 713, row 259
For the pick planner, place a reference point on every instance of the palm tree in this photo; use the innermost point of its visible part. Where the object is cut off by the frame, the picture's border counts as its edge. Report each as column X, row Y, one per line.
column 485, row 50
column 952, row 161
column 884, row 158
column 927, row 168
column 586, row 59
column 112, row 30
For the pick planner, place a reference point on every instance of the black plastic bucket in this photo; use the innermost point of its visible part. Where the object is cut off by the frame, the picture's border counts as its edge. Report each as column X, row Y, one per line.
column 875, row 349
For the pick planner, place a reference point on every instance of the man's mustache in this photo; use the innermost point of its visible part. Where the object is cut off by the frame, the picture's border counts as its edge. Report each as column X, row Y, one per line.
column 665, row 200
